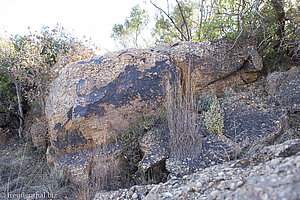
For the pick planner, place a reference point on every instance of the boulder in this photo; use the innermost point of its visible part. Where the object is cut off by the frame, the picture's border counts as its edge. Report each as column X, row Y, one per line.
column 92, row 100
column 284, row 90
column 154, row 147
column 90, row 162
column 245, row 126
column 38, row 134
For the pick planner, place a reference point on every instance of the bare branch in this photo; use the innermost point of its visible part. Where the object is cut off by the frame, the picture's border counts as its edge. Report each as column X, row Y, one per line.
column 201, row 18
column 236, row 39
column 171, row 19
column 256, row 5
column 184, row 21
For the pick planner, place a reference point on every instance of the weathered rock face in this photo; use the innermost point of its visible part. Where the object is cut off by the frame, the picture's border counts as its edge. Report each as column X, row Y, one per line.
column 244, row 126
column 38, row 133
column 284, row 87
column 92, row 100
column 217, row 65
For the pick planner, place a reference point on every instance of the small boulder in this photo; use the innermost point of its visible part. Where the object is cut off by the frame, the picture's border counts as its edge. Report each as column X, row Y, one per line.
column 245, row 124
column 38, row 134
column 154, row 147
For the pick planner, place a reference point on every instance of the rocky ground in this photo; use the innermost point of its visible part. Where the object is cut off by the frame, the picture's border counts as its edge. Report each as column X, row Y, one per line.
column 272, row 173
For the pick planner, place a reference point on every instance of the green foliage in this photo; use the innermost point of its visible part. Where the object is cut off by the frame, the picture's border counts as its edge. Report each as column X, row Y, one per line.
column 164, row 31
column 5, row 84
column 274, row 25
column 33, row 60
column 204, row 102
column 128, row 34
column 214, row 118
column 7, row 93
column 279, row 38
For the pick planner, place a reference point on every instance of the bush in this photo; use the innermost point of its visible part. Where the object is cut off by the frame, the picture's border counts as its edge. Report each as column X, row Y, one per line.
column 204, row 102
column 214, row 118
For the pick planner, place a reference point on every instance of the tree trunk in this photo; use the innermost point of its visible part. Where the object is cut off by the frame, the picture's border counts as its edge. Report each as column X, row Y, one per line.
column 278, row 6
column 19, row 96
column 21, row 114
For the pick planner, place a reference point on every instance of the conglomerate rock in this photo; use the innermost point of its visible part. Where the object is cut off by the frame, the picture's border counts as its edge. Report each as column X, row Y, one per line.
column 92, row 100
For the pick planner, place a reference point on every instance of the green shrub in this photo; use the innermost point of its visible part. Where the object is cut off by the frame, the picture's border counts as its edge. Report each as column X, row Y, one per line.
column 214, row 118
column 6, row 91
column 204, row 102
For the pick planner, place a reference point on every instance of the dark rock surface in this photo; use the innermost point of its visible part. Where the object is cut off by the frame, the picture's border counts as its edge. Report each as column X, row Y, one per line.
column 284, row 87
column 246, row 124
column 154, row 147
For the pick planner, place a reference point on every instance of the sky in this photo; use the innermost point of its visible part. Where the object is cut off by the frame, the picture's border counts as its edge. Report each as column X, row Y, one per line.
column 90, row 18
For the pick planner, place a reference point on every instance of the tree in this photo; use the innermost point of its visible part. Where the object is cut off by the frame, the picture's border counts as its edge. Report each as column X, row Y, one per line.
column 32, row 61
column 274, row 24
column 174, row 25
column 9, row 62
column 128, row 34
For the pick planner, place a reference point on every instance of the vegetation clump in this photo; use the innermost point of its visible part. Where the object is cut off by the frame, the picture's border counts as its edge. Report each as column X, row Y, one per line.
column 214, row 118
column 204, row 102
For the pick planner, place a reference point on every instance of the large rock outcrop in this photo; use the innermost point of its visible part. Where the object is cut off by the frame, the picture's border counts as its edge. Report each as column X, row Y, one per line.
column 92, row 100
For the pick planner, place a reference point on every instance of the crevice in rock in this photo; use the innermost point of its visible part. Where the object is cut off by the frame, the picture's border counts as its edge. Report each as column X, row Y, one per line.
column 156, row 174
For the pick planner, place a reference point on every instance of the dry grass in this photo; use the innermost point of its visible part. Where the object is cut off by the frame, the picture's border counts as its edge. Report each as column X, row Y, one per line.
column 183, row 119
column 24, row 170
column 104, row 175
